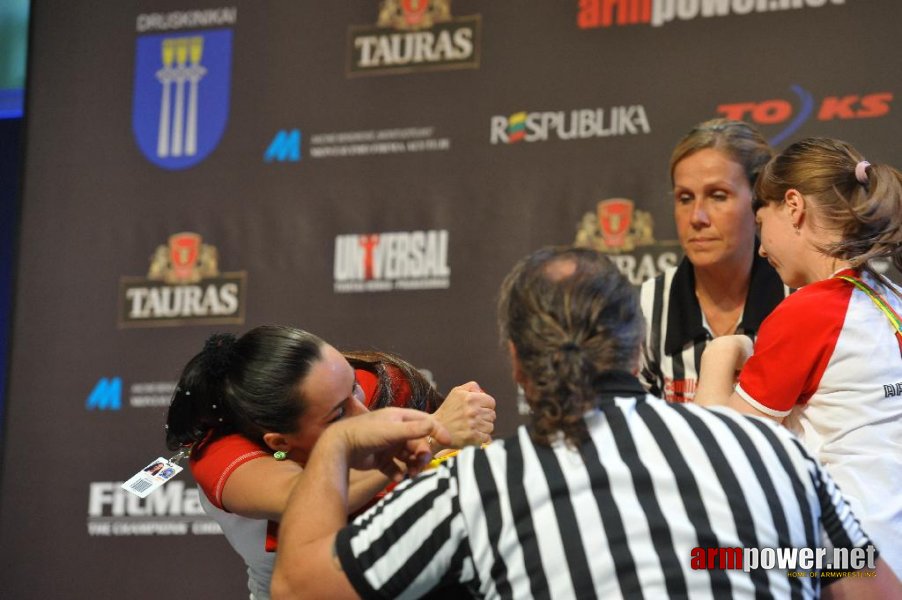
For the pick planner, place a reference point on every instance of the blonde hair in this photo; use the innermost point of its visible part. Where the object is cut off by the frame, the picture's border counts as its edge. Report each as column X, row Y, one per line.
column 737, row 139
column 867, row 214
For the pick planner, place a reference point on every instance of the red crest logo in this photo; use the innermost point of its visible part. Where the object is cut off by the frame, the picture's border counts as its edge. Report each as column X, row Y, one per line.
column 184, row 248
column 614, row 219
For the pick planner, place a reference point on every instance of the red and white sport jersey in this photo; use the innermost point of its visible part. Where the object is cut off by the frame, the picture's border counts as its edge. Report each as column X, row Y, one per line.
column 828, row 362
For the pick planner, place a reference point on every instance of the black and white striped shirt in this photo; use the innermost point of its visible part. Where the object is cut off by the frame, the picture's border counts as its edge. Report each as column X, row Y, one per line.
column 677, row 332
column 620, row 516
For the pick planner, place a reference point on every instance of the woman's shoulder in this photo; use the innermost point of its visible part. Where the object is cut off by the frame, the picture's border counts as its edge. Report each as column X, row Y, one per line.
column 818, row 303
column 218, row 459
column 225, row 449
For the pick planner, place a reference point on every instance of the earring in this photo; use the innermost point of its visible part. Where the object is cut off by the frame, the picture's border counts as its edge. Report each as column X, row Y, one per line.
column 798, row 231
column 280, row 455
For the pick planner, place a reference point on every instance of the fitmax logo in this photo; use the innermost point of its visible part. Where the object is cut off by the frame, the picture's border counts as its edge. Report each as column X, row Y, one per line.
column 106, row 395
column 285, row 147
column 779, row 110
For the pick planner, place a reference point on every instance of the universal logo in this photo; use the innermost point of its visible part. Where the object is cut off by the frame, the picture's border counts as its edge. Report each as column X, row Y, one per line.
column 414, row 35
column 399, row 260
column 182, row 287
column 616, row 228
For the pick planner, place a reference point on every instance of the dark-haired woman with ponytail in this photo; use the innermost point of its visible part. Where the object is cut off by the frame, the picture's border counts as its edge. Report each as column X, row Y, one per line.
column 828, row 361
column 252, row 408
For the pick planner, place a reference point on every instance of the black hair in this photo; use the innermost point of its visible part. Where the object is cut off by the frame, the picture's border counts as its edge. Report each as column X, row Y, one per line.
column 248, row 385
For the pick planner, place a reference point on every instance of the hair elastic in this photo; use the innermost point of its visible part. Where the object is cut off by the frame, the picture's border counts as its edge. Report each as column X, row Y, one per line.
column 861, row 173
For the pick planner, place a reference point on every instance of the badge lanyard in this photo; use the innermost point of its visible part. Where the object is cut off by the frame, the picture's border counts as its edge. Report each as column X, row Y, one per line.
column 880, row 303
column 155, row 474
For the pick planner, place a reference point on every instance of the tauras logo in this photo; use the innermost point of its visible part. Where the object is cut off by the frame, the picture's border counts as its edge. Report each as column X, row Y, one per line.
column 576, row 124
column 414, row 35
column 626, row 235
column 404, row 260
column 183, row 286
column 173, row 509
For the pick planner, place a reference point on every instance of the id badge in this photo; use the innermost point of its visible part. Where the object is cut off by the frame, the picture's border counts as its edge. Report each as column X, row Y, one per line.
column 151, row 477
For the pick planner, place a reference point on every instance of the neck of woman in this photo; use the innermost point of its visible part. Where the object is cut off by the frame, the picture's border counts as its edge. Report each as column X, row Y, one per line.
column 721, row 291
column 821, row 266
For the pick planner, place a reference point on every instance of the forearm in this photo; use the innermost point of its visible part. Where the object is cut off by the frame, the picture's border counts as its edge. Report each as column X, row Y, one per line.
column 363, row 486
column 715, row 382
column 717, row 374
column 317, row 509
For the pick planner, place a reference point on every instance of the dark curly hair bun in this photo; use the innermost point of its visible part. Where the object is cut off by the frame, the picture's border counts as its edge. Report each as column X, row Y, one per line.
column 219, row 352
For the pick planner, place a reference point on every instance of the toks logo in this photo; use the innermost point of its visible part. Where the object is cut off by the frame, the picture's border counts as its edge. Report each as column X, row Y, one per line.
column 605, row 13
column 182, row 287
column 380, row 262
column 626, row 235
column 779, row 111
column 577, row 124
column 182, row 80
column 424, row 38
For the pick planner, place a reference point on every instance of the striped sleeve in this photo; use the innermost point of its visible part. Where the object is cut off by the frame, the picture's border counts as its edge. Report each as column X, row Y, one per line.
column 412, row 542
column 651, row 299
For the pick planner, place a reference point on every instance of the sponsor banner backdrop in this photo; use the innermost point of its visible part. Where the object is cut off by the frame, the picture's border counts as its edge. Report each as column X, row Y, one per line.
column 367, row 170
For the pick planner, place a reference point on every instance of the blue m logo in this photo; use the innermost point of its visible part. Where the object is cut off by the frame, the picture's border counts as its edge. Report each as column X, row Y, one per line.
column 106, row 395
column 285, row 147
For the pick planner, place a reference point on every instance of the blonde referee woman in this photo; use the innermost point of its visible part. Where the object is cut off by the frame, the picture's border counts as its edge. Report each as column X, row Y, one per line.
column 721, row 286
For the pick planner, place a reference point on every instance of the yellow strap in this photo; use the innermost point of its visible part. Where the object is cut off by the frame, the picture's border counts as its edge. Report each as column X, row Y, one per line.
column 877, row 299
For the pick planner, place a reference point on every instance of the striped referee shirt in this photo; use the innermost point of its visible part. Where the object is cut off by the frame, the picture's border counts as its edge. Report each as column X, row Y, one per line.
column 619, row 516
column 677, row 331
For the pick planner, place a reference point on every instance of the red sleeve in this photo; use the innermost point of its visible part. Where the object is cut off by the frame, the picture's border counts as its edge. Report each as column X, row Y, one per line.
column 219, row 460
column 368, row 382
column 793, row 347
column 400, row 387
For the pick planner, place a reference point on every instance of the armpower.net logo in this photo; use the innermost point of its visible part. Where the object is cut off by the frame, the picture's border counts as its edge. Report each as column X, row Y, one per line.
column 594, row 14
column 797, row 562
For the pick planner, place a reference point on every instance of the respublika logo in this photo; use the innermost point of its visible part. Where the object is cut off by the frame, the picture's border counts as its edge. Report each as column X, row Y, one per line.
column 626, row 235
column 181, row 89
column 183, row 287
column 607, row 13
column 780, row 112
column 576, row 124
column 401, row 260
column 414, row 35
column 106, row 395
column 285, row 147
